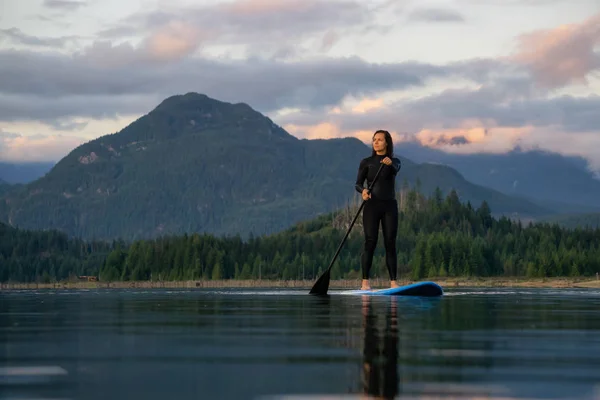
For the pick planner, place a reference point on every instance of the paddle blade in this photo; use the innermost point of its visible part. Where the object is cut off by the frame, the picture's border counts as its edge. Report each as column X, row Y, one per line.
column 322, row 284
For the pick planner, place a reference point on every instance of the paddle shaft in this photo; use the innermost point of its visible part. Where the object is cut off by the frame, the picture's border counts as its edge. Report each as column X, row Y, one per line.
column 346, row 236
column 347, row 233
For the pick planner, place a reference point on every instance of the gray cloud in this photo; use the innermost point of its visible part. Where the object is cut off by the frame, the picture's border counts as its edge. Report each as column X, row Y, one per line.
column 52, row 85
column 514, row 2
column 494, row 103
column 55, row 20
column 68, row 125
column 264, row 27
column 436, row 15
column 104, row 80
column 499, row 104
column 58, row 111
column 8, row 135
column 566, row 124
column 64, row 5
column 455, row 141
column 15, row 35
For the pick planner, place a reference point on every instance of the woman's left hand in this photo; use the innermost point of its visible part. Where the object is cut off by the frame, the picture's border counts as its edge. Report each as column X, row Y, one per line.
column 387, row 161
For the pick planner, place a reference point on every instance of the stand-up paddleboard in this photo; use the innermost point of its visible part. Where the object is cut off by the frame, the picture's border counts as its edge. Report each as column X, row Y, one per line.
column 425, row 289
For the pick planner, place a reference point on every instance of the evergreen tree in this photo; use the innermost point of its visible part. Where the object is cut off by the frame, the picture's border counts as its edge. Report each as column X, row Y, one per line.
column 437, row 237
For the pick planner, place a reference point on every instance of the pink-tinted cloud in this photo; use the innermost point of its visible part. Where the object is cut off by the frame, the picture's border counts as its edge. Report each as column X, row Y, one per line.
column 465, row 122
column 171, row 41
column 475, row 136
column 563, row 55
column 19, row 148
column 174, row 40
column 326, row 130
column 331, row 127
column 329, row 40
column 471, row 136
column 263, row 28
column 366, row 105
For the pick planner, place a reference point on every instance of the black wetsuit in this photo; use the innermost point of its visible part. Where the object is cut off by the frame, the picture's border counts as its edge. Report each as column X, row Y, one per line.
column 382, row 206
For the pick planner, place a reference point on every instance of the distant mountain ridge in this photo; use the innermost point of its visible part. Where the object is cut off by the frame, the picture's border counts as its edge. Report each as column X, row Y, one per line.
column 559, row 182
column 5, row 187
column 562, row 184
column 23, row 172
column 196, row 164
column 571, row 221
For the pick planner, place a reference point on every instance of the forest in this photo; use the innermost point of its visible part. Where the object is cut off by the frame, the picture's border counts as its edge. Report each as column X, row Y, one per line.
column 437, row 237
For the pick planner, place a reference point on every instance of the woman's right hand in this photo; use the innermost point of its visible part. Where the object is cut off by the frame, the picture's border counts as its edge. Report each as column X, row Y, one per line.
column 365, row 194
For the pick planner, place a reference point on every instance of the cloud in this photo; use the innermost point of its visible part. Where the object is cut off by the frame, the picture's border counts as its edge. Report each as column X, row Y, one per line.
column 58, row 112
column 489, row 118
column 436, row 15
column 329, row 40
column 54, row 20
column 585, row 144
column 452, row 141
column 573, row 114
column 511, row 3
column 8, row 135
column 19, row 148
column 562, row 55
column 326, row 130
column 105, row 80
column 460, row 111
column 173, row 41
column 263, row 27
column 64, row 5
column 487, row 104
column 16, row 36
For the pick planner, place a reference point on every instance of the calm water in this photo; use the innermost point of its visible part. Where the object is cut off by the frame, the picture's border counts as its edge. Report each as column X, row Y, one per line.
column 270, row 344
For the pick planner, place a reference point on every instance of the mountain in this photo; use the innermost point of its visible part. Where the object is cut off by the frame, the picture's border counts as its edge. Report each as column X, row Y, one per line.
column 562, row 183
column 571, row 221
column 440, row 238
column 24, row 172
column 5, row 187
column 196, row 164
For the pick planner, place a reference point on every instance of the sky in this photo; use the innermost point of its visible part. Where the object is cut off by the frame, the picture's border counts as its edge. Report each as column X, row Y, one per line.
column 458, row 75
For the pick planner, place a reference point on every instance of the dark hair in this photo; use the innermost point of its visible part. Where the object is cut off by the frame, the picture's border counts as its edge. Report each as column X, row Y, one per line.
column 389, row 150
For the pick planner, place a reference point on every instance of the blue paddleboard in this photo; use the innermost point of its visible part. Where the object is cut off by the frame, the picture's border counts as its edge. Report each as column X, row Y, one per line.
column 426, row 289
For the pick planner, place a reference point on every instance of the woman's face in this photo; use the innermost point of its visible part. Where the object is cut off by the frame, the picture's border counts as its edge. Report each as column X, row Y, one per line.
column 379, row 143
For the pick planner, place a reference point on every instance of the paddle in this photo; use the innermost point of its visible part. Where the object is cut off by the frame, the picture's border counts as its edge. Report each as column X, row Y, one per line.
column 322, row 284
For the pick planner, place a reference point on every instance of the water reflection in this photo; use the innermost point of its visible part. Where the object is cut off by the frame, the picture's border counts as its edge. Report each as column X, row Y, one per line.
column 194, row 344
column 380, row 351
column 492, row 347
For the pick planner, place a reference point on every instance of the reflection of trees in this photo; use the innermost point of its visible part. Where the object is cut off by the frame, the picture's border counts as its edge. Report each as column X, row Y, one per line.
column 468, row 344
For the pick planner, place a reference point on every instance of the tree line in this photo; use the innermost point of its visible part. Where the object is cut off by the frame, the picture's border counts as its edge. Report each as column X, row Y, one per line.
column 437, row 237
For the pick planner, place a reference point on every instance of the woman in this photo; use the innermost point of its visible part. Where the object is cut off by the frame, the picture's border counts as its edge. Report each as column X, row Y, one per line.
column 381, row 205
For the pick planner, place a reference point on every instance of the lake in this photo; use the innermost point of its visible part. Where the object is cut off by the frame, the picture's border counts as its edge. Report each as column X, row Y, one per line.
column 286, row 344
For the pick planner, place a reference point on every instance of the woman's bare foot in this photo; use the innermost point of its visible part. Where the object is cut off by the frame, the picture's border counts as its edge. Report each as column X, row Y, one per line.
column 393, row 284
column 365, row 285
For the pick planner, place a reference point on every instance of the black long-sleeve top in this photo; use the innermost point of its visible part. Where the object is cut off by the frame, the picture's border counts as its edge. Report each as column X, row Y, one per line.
column 385, row 187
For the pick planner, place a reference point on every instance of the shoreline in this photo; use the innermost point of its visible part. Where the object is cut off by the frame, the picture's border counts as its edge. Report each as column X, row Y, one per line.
column 446, row 283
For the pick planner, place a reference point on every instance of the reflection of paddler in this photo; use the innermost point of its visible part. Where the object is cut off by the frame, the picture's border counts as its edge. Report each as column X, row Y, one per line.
column 380, row 366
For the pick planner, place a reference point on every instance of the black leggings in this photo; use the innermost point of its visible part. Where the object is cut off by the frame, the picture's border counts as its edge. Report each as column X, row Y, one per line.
column 375, row 211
